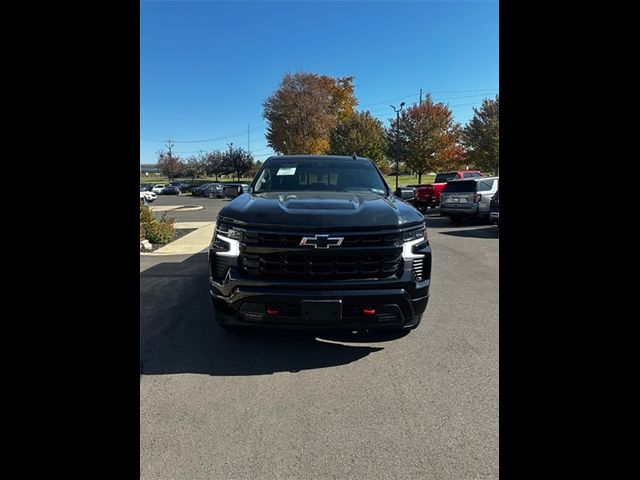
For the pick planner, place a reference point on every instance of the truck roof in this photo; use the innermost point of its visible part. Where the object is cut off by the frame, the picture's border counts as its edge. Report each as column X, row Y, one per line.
column 288, row 158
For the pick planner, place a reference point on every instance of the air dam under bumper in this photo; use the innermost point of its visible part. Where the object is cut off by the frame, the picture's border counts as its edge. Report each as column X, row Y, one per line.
column 398, row 302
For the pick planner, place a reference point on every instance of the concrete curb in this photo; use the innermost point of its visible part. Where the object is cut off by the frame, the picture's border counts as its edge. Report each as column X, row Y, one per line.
column 190, row 244
column 179, row 208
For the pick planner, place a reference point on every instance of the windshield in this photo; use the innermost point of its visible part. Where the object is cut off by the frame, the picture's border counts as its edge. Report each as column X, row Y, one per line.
column 318, row 175
column 445, row 177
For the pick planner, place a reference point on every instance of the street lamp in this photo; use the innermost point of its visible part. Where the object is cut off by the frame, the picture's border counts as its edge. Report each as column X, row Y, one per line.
column 397, row 140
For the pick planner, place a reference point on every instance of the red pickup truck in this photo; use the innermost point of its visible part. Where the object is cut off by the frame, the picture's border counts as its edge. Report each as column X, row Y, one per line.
column 429, row 195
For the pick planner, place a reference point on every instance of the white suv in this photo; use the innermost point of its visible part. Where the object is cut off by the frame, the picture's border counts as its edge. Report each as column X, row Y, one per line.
column 469, row 197
column 147, row 197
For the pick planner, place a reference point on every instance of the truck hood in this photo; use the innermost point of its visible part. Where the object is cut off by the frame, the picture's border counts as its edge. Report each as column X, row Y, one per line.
column 325, row 210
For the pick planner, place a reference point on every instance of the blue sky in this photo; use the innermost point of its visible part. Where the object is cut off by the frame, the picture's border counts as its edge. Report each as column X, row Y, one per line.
column 207, row 66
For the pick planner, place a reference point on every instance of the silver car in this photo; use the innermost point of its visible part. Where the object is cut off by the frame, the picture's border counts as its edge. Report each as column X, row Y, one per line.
column 468, row 198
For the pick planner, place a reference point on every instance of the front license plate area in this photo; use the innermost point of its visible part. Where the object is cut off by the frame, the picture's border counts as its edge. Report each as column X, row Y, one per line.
column 321, row 311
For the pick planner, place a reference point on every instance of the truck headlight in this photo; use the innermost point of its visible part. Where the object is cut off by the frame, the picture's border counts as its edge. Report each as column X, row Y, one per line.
column 414, row 234
column 226, row 241
column 412, row 239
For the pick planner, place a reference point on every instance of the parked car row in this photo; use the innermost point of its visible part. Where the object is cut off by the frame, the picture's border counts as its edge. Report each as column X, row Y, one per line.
column 220, row 190
column 428, row 195
column 211, row 190
column 460, row 194
column 170, row 189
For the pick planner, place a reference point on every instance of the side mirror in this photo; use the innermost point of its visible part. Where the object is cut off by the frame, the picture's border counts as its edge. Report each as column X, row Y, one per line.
column 405, row 193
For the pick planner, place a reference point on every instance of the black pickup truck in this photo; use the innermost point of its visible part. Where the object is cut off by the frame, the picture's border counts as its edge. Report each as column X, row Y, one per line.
column 319, row 242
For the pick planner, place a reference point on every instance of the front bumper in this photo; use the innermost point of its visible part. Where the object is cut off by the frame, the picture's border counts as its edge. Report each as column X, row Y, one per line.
column 399, row 301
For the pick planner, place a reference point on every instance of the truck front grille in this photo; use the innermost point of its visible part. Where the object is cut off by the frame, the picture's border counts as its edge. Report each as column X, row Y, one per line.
column 324, row 266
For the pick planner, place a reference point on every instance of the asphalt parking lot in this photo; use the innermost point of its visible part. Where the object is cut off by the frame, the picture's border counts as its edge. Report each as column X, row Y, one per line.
column 277, row 405
column 211, row 206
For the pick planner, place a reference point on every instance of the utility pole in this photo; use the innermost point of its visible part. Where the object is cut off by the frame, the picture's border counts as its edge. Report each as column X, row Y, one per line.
column 397, row 140
column 171, row 169
column 420, row 97
column 248, row 143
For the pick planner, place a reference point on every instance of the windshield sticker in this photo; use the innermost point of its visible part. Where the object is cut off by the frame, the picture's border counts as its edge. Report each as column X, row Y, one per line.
column 286, row 171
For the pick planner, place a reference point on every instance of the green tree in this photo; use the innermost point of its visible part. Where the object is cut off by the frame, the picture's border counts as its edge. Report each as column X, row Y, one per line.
column 481, row 137
column 428, row 137
column 239, row 161
column 215, row 164
column 195, row 166
column 362, row 134
column 302, row 111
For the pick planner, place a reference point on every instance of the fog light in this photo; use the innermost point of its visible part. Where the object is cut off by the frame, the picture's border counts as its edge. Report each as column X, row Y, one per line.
column 273, row 310
column 368, row 311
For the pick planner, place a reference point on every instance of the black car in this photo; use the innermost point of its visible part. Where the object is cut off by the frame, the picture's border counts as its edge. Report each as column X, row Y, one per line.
column 172, row 189
column 232, row 190
column 198, row 191
column 211, row 190
column 319, row 242
column 184, row 187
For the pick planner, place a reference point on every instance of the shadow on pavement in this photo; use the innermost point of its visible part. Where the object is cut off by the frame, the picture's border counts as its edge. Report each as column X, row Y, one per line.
column 179, row 334
column 487, row 232
column 440, row 222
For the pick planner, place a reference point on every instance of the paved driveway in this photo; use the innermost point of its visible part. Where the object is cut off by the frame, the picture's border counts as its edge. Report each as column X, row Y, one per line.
column 295, row 406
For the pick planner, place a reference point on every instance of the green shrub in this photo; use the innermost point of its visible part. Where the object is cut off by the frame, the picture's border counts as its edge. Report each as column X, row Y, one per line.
column 156, row 231
column 159, row 232
column 146, row 215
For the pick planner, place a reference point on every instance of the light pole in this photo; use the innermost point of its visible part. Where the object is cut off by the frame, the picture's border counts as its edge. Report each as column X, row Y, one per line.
column 231, row 159
column 397, row 140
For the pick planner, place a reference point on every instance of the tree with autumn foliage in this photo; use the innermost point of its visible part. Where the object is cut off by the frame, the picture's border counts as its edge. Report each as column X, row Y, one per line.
column 481, row 137
column 360, row 134
column 303, row 110
column 429, row 138
column 170, row 166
